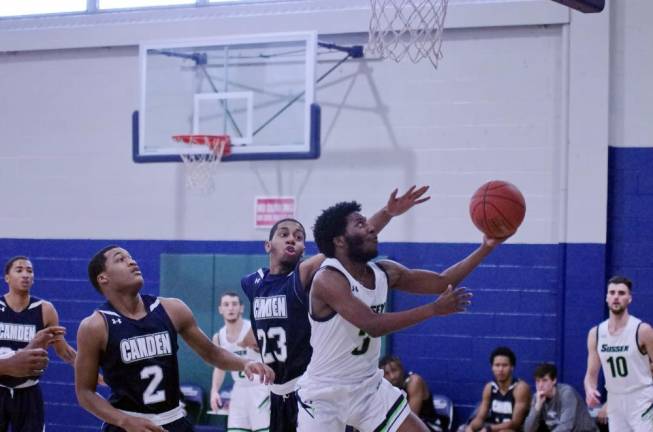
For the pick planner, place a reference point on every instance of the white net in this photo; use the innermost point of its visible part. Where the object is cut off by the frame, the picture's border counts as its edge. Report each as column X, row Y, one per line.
column 407, row 28
column 201, row 167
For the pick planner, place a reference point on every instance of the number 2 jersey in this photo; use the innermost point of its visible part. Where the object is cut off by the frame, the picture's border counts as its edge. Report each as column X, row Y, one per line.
column 279, row 316
column 625, row 368
column 140, row 360
column 342, row 353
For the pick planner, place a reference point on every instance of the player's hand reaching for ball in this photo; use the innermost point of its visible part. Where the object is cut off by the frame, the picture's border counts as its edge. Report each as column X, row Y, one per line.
column 265, row 374
column 493, row 241
column 452, row 300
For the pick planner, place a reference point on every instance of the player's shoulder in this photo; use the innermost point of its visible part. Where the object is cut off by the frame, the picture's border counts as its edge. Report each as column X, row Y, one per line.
column 252, row 279
column 328, row 275
column 93, row 323
column 522, row 387
column 593, row 331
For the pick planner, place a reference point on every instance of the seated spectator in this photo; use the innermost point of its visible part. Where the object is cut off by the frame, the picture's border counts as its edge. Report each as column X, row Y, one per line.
column 556, row 406
column 505, row 400
column 417, row 391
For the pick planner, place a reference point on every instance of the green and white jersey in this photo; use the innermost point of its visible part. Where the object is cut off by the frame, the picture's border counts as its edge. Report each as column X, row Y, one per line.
column 625, row 368
column 235, row 347
column 342, row 353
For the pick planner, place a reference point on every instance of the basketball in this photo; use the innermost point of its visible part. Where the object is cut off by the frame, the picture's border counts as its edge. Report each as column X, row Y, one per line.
column 497, row 208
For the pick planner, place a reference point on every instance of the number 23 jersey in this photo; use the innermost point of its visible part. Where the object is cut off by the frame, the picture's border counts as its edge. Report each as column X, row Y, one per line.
column 279, row 316
column 140, row 360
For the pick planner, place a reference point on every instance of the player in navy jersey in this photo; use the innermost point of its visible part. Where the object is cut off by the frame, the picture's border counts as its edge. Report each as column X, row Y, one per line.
column 22, row 316
column 133, row 338
column 505, row 400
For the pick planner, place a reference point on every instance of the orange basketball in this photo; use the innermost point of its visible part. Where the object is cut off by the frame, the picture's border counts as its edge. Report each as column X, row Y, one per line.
column 497, row 208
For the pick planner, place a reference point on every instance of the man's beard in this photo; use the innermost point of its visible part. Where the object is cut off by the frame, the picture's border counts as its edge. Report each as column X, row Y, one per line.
column 619, row 310
column 356, row 251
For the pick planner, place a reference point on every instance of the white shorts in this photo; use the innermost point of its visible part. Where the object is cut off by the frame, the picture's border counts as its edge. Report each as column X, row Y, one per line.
column 249, row 408
column 374, row 404
column 631, row 412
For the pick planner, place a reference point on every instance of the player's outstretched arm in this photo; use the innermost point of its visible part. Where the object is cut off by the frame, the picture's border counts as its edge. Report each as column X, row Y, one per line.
column 591, row 380
column 331, row 292
column 418, row 281
column 61, row 347
column 477, row 422
column 24, row 363
column 187, row 327
column 91, row 342
column 395, row 206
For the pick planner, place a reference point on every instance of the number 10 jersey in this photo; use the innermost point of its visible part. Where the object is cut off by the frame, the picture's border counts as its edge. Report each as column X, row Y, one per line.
column 625, row 368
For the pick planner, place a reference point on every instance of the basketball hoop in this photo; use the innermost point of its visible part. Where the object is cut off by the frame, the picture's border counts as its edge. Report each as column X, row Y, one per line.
column 200, row 166
column 407, row 28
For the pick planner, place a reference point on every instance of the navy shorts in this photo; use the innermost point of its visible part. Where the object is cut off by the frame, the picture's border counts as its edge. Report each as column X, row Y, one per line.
column 181, row 425
column 23, row 409
column 283, row 412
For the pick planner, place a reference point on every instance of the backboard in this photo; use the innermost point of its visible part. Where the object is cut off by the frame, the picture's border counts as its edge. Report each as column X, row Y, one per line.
column 259, row 89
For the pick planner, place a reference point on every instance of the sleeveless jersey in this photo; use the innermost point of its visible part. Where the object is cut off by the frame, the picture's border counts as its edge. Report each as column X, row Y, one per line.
column 625, row 368
column 243, row 352
column 140, row 360
column 501, row 405
column 427, row 411
column 342, row 353
column 17, row 329
column 279, row 316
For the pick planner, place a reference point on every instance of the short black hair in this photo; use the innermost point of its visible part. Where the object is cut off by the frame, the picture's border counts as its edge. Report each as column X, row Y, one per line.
column 544, row 369
column 12, row 260
column 616, row 279
column 97, row 265
column 230, row 294
column 277, row 223
column 390, row 358
column 504, row 352
column 331, row 224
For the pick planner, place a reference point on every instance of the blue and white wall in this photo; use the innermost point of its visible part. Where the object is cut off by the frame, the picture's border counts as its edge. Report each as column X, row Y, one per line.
column 552, row 101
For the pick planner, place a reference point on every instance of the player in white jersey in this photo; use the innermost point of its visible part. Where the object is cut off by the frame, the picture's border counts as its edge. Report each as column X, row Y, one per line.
column 249, row 407
column 343, row 383
column 622, row 346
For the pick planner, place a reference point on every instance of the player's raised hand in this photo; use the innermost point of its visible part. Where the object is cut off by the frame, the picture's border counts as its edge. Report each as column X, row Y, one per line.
column 402, row 204
column 452, row 300
column 136, row 424
column 43, row 338
column 266, row 375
